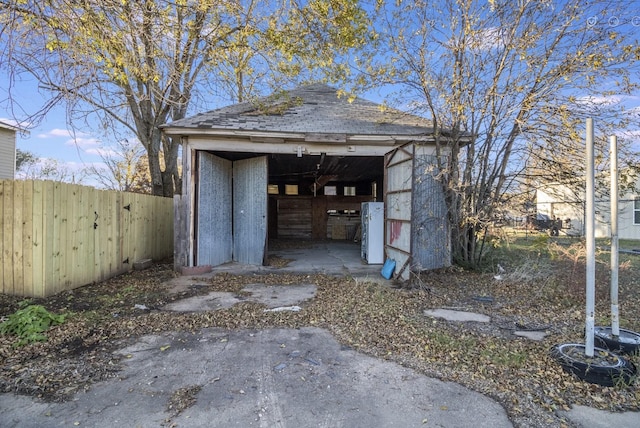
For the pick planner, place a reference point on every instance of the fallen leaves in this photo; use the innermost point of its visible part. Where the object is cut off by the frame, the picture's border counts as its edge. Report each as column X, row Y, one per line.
column 182, row 399
column 372, row 318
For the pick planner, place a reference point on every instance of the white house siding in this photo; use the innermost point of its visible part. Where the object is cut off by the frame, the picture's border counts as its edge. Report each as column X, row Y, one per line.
column 560, row 202
column 626, row 228
column 7, row 153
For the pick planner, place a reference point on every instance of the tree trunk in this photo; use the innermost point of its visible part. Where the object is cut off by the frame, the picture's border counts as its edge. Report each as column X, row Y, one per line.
column 153, row 151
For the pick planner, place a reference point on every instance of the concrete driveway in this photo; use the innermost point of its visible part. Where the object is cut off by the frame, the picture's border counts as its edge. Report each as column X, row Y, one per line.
column 270, row 378
column 263, row 378
column 266, row 378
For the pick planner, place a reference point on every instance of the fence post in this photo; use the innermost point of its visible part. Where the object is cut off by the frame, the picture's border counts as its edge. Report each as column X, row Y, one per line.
column 179, row 237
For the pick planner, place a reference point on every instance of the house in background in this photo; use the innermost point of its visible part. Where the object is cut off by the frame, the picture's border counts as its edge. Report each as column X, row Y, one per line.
column 8, row 150
column 298, row 165
column 568, row 205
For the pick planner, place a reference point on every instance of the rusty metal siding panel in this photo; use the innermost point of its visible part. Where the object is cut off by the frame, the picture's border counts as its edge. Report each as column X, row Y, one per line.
column 431, row 237
column 250, row 210
column 213, row 222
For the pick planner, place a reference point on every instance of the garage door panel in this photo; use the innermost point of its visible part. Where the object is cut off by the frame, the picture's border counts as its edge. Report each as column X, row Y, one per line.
column 213, row 222
column 250, row 178
column 398, row 201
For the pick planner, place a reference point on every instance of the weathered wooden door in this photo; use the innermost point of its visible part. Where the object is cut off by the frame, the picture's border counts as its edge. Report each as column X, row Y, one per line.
column 398, row 174
column 417, row 231
column 250, row 210
column 214, row 232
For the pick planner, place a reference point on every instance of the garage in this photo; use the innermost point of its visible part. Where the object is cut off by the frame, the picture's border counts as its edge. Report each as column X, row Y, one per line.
column 298, row 165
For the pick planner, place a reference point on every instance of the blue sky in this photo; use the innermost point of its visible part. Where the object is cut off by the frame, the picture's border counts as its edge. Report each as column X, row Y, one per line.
column 53, row 138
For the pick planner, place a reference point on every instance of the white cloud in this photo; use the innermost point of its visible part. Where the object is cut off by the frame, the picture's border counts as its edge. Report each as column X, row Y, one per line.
column 488, row 38
column 104, row 152
column 77, row 139
column 57, row 132
column 599, row 101
column 83, row 142
column 635, row 111
column 632, row 134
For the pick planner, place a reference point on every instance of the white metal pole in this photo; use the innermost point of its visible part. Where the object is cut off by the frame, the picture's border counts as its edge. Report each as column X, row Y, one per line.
column 591, row 244
column 615, row 317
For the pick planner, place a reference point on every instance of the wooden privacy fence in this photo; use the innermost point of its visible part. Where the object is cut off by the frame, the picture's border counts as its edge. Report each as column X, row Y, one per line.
column 58, row 236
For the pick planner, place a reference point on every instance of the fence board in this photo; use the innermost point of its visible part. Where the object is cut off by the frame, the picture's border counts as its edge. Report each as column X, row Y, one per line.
column 73, row 233
column 48, row 237
column 6, row 235
column 48, row 241
column 27, row 239
column 7, row 254
column 37, row 237
column 2, row 220
column 64, row 258
column 88, row 259
column 101, row 242
column 17, row 252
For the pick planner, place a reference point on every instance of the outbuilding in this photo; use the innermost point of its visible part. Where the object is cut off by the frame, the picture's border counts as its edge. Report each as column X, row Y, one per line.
column 8, row 150
column 298, row 165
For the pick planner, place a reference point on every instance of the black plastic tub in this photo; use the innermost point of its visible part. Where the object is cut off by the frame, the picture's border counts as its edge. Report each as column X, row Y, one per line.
column 627, row 343
column 604, row 368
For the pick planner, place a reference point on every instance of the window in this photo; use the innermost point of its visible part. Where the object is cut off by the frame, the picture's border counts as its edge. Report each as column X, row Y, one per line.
column 330, row 190
column 291, row 189
column 349, row 190
column 273, row 189
column 636, row 210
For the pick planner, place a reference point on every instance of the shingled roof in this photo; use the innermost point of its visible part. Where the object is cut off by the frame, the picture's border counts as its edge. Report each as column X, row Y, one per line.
column 308, row 109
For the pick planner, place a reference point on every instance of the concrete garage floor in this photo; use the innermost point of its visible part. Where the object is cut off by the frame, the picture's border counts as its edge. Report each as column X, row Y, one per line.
column 328, row 257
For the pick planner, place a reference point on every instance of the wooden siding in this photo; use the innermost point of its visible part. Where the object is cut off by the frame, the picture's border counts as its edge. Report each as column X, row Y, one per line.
column 57, row 236
column 294, row 218
column 306, row 217
column 7, row 153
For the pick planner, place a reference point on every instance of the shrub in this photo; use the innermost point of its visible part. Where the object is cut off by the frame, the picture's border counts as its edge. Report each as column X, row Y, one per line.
column 29, row 323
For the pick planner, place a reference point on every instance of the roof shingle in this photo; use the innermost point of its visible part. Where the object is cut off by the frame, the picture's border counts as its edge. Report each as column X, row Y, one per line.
column 308, row 109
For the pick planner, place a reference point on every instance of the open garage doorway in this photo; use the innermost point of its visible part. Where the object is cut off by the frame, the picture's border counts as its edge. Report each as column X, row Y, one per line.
column 306, row 199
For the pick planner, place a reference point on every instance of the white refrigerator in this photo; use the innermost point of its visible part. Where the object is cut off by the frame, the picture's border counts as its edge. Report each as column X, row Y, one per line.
column 372, row 216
